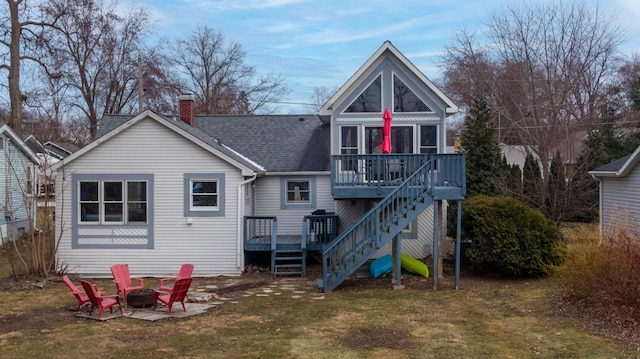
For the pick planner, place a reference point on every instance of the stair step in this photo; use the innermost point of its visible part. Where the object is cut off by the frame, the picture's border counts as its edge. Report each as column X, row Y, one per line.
column 288, row 266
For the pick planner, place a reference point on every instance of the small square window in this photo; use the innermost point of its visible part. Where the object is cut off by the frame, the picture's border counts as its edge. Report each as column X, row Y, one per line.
column 204, row 194
column 298, row 191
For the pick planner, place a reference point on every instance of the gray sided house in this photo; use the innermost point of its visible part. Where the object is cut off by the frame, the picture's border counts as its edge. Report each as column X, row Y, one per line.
column 156, row 191
column 619, row 194
column 18, row 178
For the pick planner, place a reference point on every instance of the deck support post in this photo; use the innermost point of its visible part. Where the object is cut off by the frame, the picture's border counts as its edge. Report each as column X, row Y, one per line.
column 436, row 239
column 396, row 249
column 458, row 230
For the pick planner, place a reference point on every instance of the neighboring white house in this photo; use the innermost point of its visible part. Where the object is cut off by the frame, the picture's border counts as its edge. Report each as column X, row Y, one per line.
column 18, row 178
column 156, row 191
column 619, row 194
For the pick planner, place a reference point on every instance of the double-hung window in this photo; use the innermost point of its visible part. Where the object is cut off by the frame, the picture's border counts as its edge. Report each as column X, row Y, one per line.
column 298, row 191
column 204, row 194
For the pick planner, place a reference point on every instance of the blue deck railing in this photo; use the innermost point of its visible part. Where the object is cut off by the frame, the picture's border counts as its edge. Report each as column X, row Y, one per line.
column 260, row 232
column 366, row 175
column 318, row 230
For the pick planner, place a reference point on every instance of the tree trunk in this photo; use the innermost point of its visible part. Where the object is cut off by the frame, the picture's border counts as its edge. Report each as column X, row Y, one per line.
column 15, row 95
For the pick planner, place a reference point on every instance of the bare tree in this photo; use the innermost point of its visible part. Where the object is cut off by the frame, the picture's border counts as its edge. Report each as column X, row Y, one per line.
column 543, row 69
column 319, row 97
column 21, row 27
column 218, row 77
column 100, row 49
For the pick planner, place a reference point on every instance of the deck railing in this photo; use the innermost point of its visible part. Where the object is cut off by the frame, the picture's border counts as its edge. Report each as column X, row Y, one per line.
column 385, row 170
column 260, row 232
column 318, row 230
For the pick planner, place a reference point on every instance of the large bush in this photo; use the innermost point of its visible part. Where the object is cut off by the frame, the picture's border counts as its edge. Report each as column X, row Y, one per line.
column 511, row 238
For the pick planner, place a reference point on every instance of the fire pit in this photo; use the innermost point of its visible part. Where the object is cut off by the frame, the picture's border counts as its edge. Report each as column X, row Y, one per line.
column 141, row 298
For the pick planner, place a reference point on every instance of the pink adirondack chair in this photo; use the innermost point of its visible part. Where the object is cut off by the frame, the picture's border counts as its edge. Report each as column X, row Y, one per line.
column 185, row 272
column 177, row 294
column 123, row 280
column 80, row 297
column 100, row 300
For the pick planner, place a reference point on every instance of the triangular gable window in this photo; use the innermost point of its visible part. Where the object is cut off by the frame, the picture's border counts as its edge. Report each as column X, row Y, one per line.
column 370, row 100
column 405, row 100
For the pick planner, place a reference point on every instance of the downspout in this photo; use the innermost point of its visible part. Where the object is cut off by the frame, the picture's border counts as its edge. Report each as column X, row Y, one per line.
column 240, row 220
column 599, row 205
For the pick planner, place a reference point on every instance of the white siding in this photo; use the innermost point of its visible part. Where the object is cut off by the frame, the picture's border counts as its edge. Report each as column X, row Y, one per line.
column 210, row 243
column 620, row 205
column 268, row 203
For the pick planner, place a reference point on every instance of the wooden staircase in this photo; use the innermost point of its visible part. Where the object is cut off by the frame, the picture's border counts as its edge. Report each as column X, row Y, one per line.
column 288, row 260
column 350, row 250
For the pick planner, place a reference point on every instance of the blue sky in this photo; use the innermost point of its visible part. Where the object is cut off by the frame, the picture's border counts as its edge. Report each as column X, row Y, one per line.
column 314, row 43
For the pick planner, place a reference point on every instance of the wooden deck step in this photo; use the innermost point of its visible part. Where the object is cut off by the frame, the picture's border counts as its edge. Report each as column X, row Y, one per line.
column 288, row 262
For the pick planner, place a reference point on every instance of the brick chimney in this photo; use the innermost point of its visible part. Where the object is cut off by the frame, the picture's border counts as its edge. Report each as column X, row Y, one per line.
column 185, row 108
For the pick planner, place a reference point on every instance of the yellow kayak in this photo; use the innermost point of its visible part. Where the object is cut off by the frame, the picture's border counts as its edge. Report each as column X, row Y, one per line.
column 413, row 265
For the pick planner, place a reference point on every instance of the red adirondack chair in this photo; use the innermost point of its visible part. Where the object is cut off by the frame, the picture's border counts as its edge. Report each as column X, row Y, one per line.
column 123, row 280
column 177, row 294
column 80, row 297
column 100, row 300
column 185, row 272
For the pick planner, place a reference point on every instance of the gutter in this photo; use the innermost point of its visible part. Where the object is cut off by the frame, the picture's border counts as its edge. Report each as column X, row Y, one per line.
column 240, row 240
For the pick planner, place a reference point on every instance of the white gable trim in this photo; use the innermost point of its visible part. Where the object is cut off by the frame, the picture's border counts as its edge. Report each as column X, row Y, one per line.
column 328, row 108
column 246, row 171
column 19, row 143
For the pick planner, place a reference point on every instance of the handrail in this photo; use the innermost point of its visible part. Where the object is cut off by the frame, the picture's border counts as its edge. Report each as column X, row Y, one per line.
column 389, row 170
column 354, row 246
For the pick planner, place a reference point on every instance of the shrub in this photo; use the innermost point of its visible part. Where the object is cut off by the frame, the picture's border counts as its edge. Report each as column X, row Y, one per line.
column 605, row 273
column 510, row 237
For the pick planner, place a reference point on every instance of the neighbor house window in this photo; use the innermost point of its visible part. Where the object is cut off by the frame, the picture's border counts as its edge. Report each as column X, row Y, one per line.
column 104, row 202
column 204, row 194
column 298, row 193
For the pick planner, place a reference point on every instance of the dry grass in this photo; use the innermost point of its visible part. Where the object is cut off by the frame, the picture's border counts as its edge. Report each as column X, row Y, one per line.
column 363, row 318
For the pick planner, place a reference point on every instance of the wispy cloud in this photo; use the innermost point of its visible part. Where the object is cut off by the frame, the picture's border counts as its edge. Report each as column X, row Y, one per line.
column 243, row 5
column 345, row 34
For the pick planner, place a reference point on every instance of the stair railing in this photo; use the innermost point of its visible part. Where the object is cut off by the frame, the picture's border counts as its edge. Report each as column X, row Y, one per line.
column 355, row 245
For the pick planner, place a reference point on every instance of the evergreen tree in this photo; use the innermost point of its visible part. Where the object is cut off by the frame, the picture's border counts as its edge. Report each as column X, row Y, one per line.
column 532, row 188
column 514, row 181
column 483, row 159
column 556, row 190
